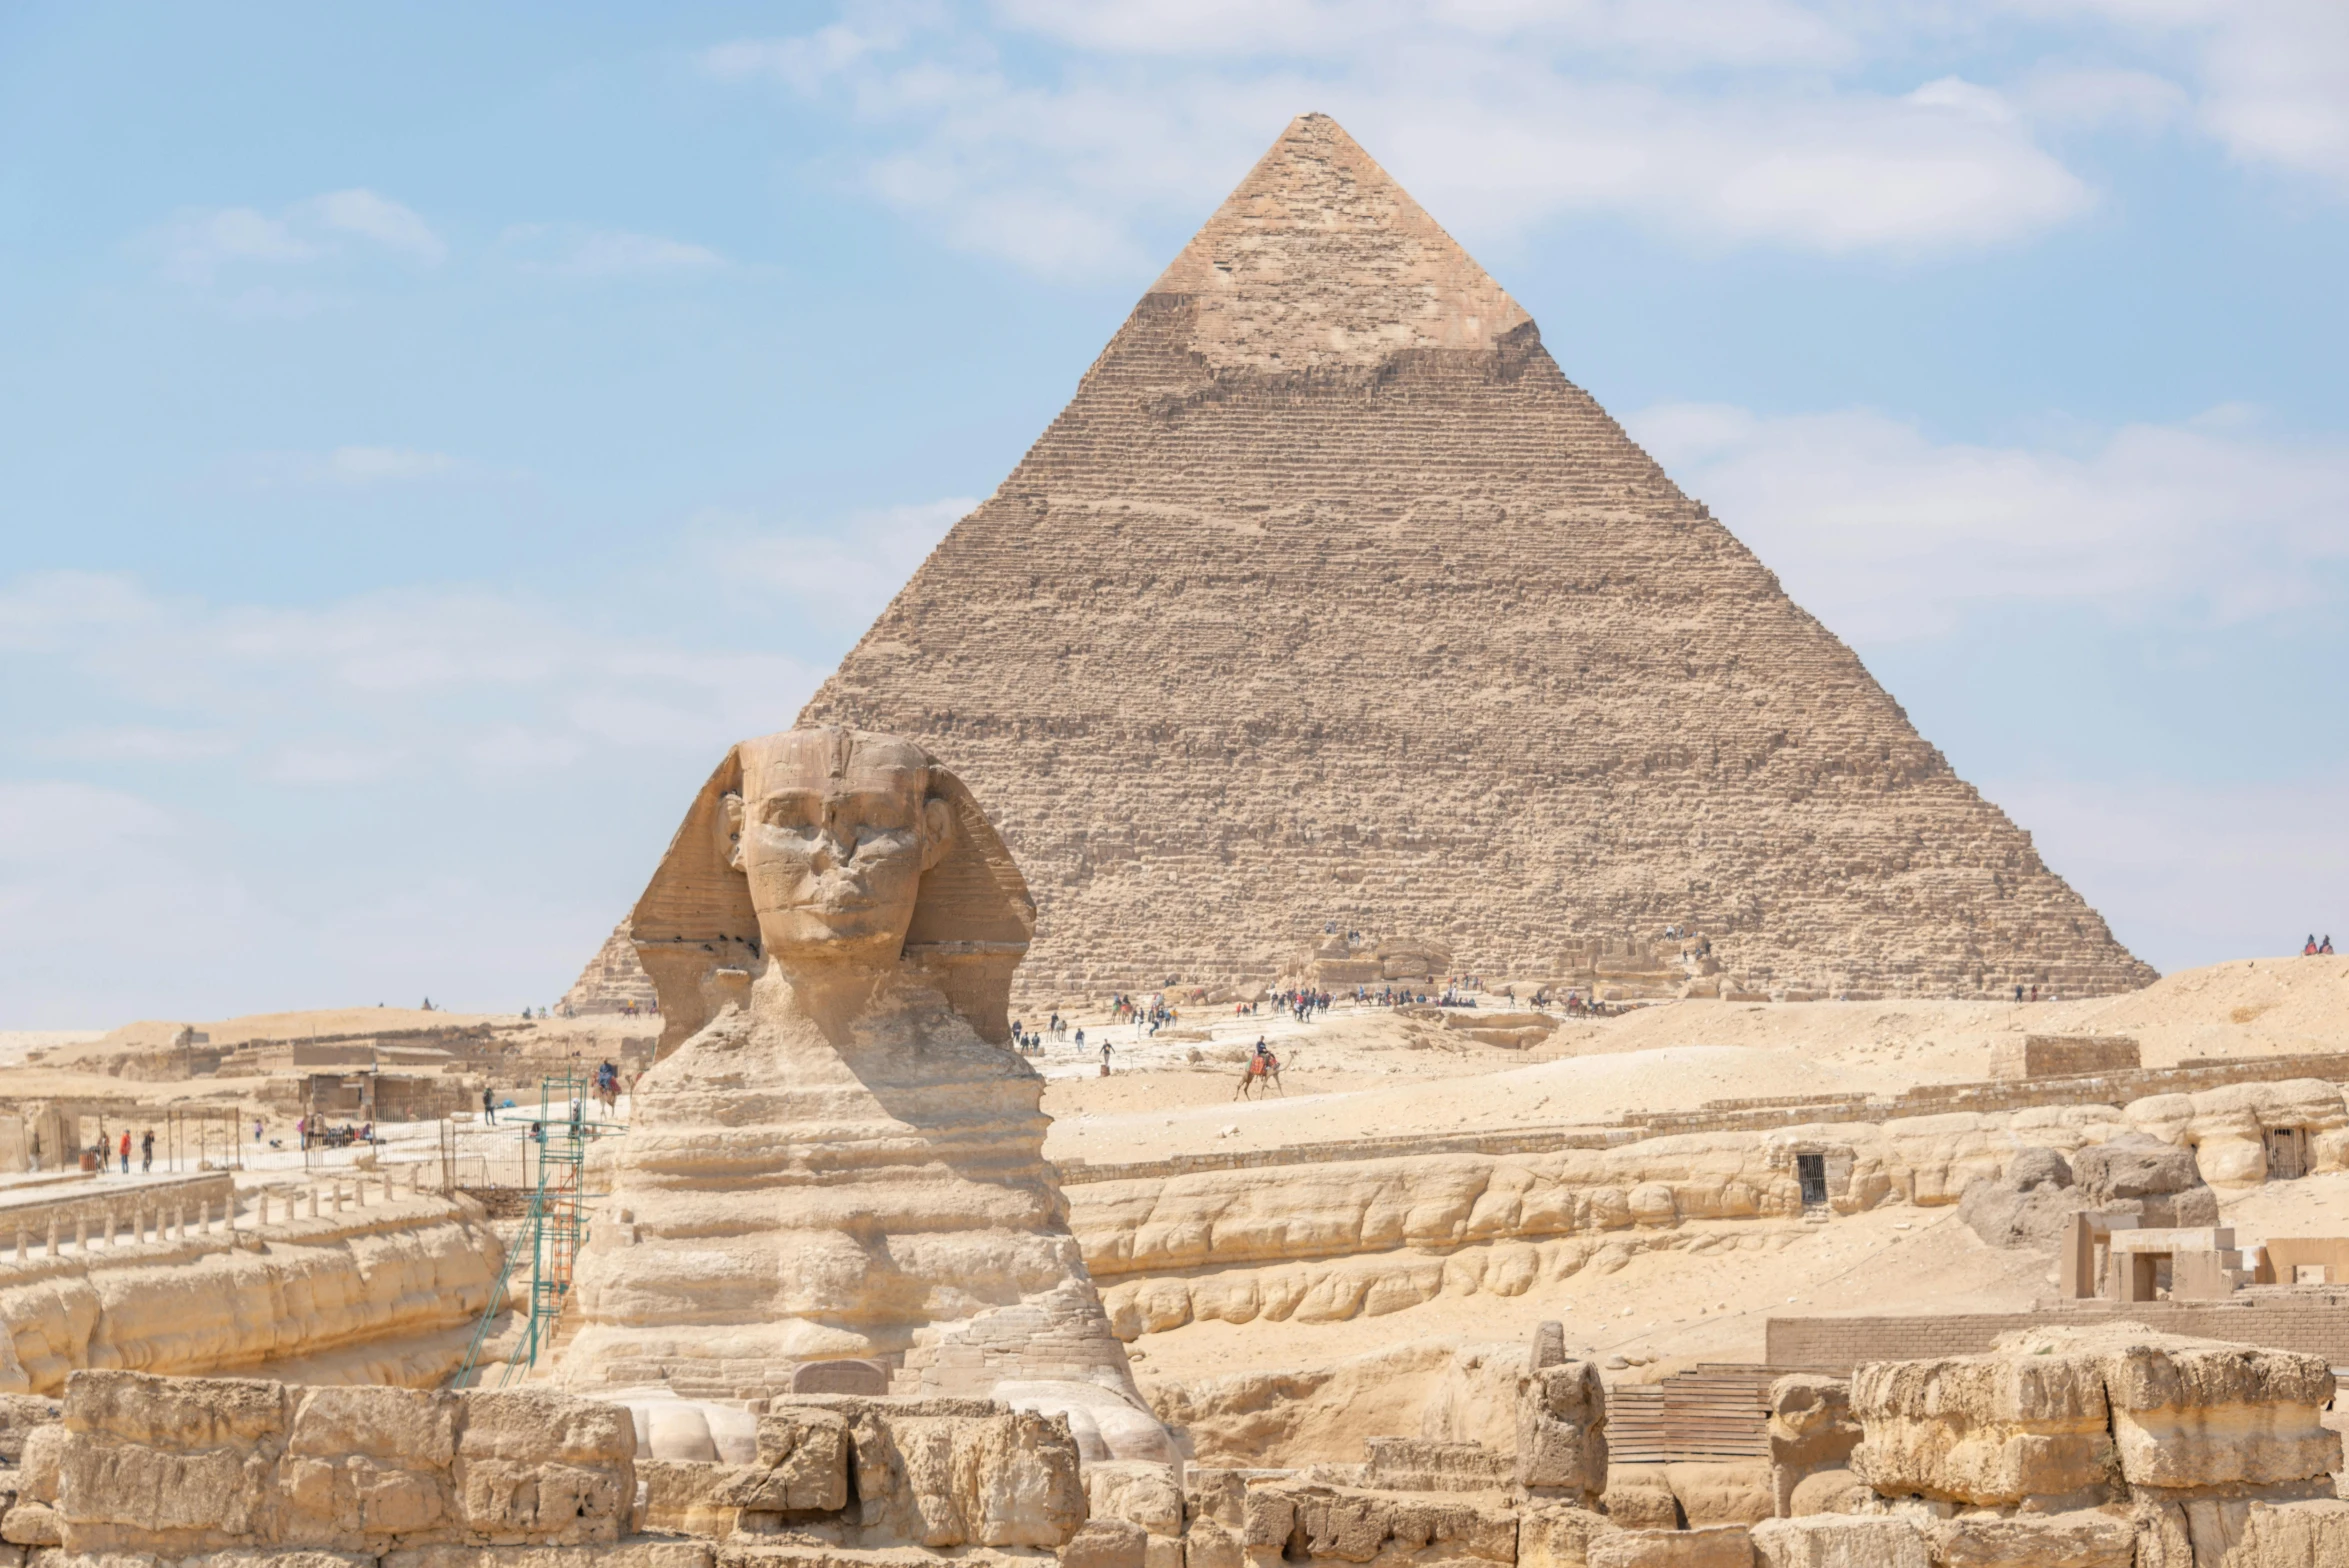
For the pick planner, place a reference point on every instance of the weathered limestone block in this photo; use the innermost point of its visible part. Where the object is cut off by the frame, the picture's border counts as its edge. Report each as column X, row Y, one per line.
column 1830, row 1492
column 31, row 1524
column 1356, row 1526
column 2293, row 1535
column 1138, row 1492
column 1561, row 1430
column 1639, row 1497
column 1723, row 1546
column 1106, row 1543
column 1209, row 1543
column 20, row 1416
column 952, row 1473
column 2081, row 1539
column 534, row 1467
column 1987, row 1430
column 1722, row 1492
column 2221, row 1415
column 682, row 1495
column 1832, row 1541
column 622, row 1554
column 153, row 1463
column 1811, row 1429
column 1557, row 1535
column 1418, row 1464
column 802, row 1464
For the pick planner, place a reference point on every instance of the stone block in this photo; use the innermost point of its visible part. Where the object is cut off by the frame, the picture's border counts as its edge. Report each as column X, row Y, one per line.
column 620, row 1554
column 1722, row 1492
column 2083, row 1539
column 20, row 1415
column 30, row 1524
column 1138, row 1492
column 1724, row 1546
column 803, row 1464
column 1986, row 1430
column 1835, row 1491
column 1830, row 1541
column 1417, row 1464
column 1210, row 1543
column 1559, row 1537
column 2293, row 1535
column 1639, row 1497
column 2195, row 1414
column 1105, row 1543
column 173, row 1412
column 416, row 1428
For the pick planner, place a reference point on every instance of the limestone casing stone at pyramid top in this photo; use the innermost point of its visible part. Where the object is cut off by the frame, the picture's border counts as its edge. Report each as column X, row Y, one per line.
column 1320, row 259
column 835, row 1157
column 1399, row 633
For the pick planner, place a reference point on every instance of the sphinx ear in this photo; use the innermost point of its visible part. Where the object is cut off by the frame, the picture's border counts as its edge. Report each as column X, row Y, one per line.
column 937, row 831
column 729, row 827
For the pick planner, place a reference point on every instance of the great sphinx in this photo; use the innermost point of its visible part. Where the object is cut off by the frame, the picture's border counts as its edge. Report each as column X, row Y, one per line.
column 835, row 1159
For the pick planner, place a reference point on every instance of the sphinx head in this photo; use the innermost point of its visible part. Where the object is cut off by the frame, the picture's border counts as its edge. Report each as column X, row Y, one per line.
column 832, row 829
column 832, row 849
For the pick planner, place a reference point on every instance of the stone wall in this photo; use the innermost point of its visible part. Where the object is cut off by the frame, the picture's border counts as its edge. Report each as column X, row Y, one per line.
column 387, row 1293
column 2314, row 1321
column 1333, row 1239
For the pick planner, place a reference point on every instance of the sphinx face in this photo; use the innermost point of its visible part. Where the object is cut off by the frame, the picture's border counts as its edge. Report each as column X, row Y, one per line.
column 834, row 838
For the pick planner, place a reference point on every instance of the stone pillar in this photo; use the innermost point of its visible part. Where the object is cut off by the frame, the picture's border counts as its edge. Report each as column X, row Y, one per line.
column 261, row 1211
column 52, row 1234
column 359, row 1191
column 314, row 1203
column 81, row 1233
column 338, row 1197
column 179, row 1222
column 110, row 1227
column 20, row 1243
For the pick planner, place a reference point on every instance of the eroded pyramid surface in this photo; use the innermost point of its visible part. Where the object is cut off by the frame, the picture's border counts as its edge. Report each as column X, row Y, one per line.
column 1329, row 602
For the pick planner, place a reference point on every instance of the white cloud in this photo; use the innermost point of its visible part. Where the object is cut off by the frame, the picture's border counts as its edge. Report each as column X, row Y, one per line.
column 1886, row 534
column 199, row 246
column 378, row 218
column 1497, row 115
column 2273, row 74
column 605, row 253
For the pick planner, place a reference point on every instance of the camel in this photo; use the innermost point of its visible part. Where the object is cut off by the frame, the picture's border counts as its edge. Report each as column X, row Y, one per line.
column 1262, row 1071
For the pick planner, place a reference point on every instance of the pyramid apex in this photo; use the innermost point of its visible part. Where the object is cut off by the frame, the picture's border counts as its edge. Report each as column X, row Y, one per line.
column 1319, row 258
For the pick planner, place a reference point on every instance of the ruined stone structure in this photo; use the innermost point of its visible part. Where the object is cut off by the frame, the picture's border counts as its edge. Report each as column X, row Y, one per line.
column 1329, row 603
column 836, row 1158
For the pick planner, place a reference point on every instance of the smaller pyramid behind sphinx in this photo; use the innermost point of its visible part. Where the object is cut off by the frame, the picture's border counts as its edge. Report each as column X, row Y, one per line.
column 836, row 1156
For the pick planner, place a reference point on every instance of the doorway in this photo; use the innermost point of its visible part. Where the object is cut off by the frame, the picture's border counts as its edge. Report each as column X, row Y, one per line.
column 2287, row 1153
column 1811, row 1171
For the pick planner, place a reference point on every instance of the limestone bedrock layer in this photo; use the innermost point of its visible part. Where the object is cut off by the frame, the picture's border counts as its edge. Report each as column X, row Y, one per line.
column 1328, row 600
column 837, row 1157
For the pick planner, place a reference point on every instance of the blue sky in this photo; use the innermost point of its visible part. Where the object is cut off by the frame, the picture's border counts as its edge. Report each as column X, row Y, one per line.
column 427, row 437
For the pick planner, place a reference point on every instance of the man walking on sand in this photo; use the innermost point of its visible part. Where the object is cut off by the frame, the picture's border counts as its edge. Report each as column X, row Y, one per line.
column 1105, row 1050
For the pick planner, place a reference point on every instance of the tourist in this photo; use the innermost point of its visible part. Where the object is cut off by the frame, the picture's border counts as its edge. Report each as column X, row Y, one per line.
column 126, row 1151
column 1106, row 1048
column 2308, row 948
column 302, row 1130
column 147, row 1152
column 489, row 1107
column 36, row 1153
column 1080, row 1041
column 256, row 1129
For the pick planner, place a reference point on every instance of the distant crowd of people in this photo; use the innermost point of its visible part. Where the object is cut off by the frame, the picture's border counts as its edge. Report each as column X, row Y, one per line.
column 2316, row 949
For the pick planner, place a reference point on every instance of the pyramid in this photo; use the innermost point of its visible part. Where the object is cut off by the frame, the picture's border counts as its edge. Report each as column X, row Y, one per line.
column 1328, row 604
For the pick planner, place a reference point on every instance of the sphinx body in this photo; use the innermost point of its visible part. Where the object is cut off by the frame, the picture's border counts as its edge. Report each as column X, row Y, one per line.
column 835, row 1157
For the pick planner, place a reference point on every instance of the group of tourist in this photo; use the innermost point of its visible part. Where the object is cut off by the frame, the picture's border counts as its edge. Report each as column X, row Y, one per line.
column 2316, row 949
column 323, row 1134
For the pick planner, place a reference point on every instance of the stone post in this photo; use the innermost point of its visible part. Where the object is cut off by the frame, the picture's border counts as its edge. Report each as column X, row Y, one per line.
column 359, row 1191
column 52, row 1233
column 314, row 1203
column 110, row 1227
column 261, row 1211
column 20, row 1243
column 179, row 1222
column 81, row 1233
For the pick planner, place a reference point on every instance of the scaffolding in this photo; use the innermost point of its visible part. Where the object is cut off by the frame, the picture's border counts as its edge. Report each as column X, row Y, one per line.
column 553, row 1229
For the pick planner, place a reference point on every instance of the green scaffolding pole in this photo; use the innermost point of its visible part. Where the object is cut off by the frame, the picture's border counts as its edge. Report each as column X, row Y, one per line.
column 552, row 1232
